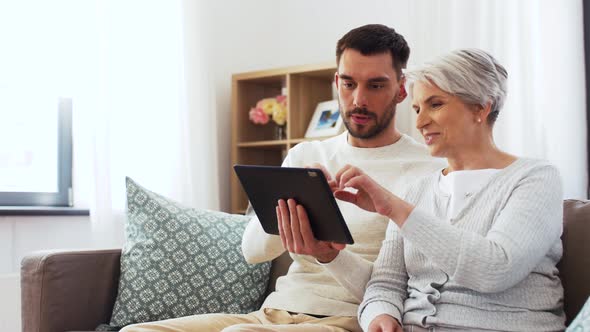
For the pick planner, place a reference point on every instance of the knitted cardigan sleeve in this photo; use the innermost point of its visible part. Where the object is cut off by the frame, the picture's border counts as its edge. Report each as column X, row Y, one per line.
column 387, row 288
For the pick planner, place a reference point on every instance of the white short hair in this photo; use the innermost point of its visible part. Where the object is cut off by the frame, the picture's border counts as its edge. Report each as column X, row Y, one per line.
column 473, row 75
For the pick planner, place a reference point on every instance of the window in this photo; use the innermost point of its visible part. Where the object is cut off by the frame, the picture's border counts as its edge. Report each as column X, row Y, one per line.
column 49, row 52
column 36, row 152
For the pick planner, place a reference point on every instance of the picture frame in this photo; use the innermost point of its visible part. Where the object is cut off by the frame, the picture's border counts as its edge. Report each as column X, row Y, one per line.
column 326, row 120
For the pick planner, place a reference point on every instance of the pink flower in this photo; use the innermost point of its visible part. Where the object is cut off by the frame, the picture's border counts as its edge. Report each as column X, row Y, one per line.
column 270, row 108
column 282, row 99
column 258, row 116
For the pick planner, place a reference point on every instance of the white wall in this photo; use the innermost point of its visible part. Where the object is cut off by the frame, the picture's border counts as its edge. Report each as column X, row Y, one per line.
column 21, row 235
column 10, row 303
column 9, row 286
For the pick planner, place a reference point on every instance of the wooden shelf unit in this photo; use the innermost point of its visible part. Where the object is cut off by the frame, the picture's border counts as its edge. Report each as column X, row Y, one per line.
column 252, row 144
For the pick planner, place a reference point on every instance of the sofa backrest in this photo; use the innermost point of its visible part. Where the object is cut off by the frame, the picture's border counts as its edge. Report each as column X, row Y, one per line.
column 575, row 264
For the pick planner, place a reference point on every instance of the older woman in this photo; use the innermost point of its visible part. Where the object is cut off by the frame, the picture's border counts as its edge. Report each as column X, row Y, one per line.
column 475, row 245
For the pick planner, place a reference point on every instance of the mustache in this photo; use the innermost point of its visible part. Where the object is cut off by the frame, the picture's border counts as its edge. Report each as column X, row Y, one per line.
column 361, row 111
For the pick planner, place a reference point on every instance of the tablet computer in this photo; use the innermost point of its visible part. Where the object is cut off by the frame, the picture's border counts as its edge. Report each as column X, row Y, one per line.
column 265, row 185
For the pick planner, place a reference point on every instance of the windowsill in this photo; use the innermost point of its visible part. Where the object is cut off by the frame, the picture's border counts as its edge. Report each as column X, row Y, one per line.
column 42, row 211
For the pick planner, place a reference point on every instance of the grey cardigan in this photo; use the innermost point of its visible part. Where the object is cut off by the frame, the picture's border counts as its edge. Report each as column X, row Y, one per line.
column 492, row 267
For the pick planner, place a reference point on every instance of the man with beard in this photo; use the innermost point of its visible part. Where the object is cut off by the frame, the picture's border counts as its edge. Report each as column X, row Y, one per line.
column 311, row 296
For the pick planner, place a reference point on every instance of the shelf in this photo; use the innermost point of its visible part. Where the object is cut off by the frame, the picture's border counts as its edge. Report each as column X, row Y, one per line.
column 279, row 144
column 318, row 69
column 253, row 144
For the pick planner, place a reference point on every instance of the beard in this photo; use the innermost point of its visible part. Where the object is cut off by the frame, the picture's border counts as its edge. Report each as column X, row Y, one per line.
column 371, row 130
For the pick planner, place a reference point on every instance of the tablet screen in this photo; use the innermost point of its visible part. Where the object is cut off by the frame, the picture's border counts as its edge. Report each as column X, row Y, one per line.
column 265, row 185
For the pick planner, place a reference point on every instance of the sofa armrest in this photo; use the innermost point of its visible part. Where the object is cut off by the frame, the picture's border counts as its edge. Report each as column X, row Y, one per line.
column 68, row 290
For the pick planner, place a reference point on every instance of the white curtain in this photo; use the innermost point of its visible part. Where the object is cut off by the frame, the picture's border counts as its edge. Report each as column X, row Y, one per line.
column 151, row 116
column 540, row 42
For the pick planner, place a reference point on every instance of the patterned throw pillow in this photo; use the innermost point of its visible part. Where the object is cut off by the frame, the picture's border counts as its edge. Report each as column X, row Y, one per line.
column 582, row 321
column 179, row 261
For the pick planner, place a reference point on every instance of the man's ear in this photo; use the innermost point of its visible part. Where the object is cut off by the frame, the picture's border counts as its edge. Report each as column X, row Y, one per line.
column 402, row 94
column 336, row 80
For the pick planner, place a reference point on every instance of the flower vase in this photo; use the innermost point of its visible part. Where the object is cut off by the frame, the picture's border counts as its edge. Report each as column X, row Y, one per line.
column 280, row 132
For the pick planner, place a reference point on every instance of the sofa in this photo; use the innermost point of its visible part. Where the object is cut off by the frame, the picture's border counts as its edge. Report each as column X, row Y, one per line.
column 76, row 290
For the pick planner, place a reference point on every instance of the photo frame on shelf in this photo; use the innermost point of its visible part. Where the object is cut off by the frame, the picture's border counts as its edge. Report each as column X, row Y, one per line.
column 326, row 120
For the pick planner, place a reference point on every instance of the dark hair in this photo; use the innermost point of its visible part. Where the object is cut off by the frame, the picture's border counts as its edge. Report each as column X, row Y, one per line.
column 373, row 39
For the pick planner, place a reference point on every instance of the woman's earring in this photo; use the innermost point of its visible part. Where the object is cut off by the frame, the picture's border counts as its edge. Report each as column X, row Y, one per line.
column 478, row 120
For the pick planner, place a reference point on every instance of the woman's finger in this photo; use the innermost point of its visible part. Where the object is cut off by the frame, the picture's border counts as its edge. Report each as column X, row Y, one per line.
column 324, row 170
column 366, row 184
column 340, row 171
column 348, row 174
column 346, row 196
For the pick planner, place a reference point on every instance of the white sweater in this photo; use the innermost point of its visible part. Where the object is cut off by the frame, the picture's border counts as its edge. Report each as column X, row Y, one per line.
column 309, row 287
column 491, row 267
